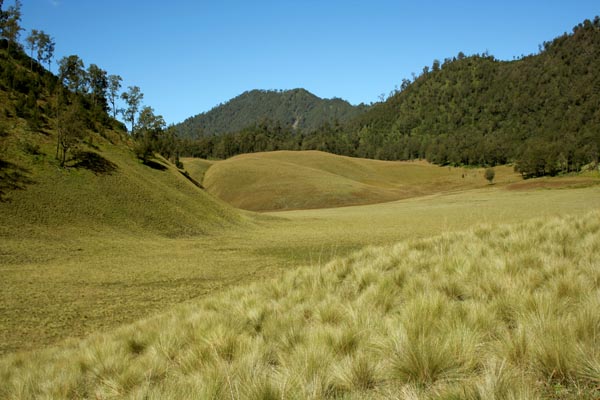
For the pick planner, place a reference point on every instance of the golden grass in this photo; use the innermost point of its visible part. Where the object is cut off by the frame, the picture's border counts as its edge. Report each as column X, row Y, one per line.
column 505, row 311
column 82, row 252
column 196, row 167
column 286, row 180
column 70, row 281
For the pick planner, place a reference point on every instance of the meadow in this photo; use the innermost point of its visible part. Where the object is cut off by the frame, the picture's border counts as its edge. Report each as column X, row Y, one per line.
column 288, row 180
column 71, row 281
column 91, row 259
column 495, row 312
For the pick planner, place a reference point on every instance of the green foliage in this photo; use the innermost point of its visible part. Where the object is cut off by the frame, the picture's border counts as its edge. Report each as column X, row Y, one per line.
column 540, row 112
column 10, row 24
column 72, row 74
column 133, row 98
column 71, row 131
column 295, row 109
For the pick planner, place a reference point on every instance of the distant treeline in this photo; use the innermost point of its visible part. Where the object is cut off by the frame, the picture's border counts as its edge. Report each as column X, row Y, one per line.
column 541, row 112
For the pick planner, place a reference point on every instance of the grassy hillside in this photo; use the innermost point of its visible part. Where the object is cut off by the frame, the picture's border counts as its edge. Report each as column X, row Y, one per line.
column 311, row 179
column 295, row 108
column 78, row 244
column 62, row 281
column 494, row 312
column 107, row 187
column 196, row 167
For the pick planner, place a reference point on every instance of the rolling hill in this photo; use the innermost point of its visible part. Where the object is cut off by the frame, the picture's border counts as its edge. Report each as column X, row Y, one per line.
column 287, row 180
column 295, row 108
column 539, row 111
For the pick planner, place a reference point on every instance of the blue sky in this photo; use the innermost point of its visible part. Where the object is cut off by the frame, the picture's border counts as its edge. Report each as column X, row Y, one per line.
column 188, row 56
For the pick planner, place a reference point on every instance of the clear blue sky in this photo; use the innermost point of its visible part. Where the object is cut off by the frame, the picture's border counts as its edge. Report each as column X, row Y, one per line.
column 188, row 56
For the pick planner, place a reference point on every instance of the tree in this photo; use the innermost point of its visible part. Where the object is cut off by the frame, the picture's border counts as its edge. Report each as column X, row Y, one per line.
column 71, row 73
column 149, row 132
column 32, row 43
column 490, row 174
column 45, row 49
column 70, row 132
column 133, row 98
column 98, row 81
column 11, row 23
column 114, row 85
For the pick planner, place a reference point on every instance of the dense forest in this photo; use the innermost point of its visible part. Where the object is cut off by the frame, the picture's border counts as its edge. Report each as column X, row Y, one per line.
column 541, row 112
column 296, row 109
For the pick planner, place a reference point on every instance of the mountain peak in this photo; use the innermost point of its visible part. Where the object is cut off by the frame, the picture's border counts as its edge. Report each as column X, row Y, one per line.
column 297, row 108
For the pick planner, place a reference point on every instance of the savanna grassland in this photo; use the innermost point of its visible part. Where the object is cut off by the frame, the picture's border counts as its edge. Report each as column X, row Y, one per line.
column 125, row 273
column 149, row 239
column 494, row 312
column 287, row 180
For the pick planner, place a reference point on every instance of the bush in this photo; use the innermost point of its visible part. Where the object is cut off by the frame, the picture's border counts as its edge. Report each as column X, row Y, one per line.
column 490, row 174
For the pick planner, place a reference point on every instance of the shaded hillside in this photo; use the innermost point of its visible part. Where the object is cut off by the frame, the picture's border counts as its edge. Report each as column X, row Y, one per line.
column 297, row 108
column 287, row 180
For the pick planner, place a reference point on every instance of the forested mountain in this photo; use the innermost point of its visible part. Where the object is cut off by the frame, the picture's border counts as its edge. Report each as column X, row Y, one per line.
column 297, row 109
column 541, row 112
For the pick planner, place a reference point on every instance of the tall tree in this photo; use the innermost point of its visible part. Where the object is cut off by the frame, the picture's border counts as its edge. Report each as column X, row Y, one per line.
column 33, row 40
column 98, row 81
column 46, row 49
column 11, row 23
column 114, row 86
column 133, row 98
column 71, row 73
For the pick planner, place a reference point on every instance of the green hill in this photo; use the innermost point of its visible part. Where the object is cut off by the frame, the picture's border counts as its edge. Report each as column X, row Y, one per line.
column 285, row 180
column 540, row 112
column 88, row 245
column 295, row 108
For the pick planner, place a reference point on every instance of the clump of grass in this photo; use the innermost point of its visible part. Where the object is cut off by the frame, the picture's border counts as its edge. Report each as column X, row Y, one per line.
column 434, row 318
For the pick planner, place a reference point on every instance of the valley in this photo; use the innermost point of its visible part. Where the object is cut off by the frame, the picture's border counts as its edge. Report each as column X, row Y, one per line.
column 441, row 243
column 70, row 281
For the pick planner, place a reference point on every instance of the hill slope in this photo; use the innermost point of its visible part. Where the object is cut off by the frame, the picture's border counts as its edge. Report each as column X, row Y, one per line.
column 541, row 110
column 88, row 246
column 285, row 180
column 504, row 312
column 296, row 108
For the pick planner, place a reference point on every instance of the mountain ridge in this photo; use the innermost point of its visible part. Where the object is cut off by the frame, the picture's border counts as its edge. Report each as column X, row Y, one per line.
column 294, row 108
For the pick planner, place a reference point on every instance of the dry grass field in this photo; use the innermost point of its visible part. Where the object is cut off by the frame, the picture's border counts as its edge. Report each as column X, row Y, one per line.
column 93, row 257
column 288, row 180
column 495, row 312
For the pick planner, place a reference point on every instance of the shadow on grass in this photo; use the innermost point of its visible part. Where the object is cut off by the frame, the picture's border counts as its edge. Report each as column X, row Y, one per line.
column 155, row 165
column 12, row 177
column 189, row 178
column 94, row 162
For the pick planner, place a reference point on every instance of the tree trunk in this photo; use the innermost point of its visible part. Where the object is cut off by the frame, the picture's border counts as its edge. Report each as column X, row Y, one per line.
column 64, row 157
